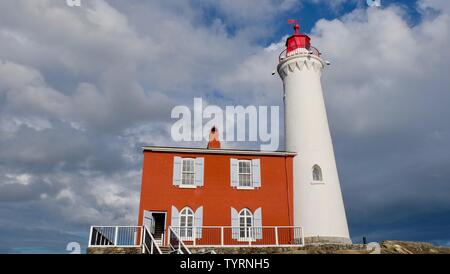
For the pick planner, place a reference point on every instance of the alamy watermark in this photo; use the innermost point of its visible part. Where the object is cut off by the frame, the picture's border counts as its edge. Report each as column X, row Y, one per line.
column 74, row 248
column 231, row 124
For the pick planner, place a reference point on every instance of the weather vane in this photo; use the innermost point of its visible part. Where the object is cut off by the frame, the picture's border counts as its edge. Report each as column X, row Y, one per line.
column 296, row 24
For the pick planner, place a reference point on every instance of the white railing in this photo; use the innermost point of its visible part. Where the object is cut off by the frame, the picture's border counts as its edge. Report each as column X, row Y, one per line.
column 176, row 243
column 149, row 245
column 299, row 51
column 180, row 238
column 115, row 236
column 217, row 236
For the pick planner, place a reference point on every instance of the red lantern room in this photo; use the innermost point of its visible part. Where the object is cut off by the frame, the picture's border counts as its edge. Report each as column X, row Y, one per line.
column 297, row 40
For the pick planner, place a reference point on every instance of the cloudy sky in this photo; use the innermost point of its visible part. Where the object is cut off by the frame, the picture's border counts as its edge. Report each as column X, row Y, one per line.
column 83, row 88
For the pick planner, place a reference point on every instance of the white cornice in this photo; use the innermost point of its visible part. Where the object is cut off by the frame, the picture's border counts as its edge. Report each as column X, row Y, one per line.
column 217, row 151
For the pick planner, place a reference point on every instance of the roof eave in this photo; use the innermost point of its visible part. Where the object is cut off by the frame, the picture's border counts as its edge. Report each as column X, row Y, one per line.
column 217, row 151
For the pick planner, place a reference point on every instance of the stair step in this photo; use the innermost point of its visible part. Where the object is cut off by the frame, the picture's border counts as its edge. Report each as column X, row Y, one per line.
column 165, row 249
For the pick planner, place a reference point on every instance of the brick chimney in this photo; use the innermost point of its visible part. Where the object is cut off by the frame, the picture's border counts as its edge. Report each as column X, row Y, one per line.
column 214, row 142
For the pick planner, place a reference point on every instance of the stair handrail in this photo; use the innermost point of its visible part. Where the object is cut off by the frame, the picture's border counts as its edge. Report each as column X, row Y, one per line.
column 152, row 242
column 181, row 245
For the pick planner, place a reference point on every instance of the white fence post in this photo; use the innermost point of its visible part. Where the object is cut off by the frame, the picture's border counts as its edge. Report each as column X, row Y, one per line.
column 276, row 236
column 116, row 235
column 221, row 235
column 194, row 234
column 90, row 236
column 168, row 235
column 143, row 240
column 303, row 236
column 151, row 246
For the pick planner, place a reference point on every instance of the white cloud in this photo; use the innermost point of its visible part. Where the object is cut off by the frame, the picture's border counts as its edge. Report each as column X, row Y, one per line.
column 22, row 179
column 380, row 64
column 82, row 89
column 440, row 5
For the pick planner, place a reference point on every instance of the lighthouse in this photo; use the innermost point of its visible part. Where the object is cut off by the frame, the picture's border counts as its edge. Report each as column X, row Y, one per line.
column 318, row 203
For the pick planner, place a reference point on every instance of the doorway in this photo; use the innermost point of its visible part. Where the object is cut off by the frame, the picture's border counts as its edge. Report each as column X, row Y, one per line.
column 156, row 223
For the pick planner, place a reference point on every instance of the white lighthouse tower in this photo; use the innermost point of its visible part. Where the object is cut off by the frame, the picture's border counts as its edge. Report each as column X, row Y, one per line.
column 318, row 204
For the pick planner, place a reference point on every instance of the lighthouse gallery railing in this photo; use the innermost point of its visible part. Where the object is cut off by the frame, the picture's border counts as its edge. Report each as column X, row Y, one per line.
column 300, row 51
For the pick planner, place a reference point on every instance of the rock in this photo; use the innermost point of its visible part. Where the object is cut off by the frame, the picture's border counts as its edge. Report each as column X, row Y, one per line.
column 405, row 247
column 387, row 247
column 114, row 250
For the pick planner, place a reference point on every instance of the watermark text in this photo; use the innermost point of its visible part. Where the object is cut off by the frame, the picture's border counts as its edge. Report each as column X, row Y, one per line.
column 235, row 123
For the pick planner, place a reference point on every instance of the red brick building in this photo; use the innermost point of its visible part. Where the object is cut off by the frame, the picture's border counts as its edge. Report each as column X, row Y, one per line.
column 199, row 192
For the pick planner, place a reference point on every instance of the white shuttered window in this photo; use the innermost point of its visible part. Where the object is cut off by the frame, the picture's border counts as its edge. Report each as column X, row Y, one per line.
column 186, row 223
column 188, row 172
column 245, row 174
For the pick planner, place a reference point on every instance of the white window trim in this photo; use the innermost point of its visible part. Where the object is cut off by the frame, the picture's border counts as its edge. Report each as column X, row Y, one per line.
column 186, row 238
column 246, row 239
column 187, row 186
column 252, row 237
column 251, row 187
column 182, row 185
column 246, row 187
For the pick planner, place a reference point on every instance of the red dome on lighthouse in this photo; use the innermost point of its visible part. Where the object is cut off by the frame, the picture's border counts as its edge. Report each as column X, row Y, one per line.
column 297, row 40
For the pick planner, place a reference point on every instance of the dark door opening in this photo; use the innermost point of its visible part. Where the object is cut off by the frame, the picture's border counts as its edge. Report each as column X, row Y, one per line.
column 160, row 225
column 155, row 221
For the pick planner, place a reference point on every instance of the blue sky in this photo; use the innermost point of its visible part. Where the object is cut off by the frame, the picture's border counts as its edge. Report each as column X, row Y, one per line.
column 83, row 88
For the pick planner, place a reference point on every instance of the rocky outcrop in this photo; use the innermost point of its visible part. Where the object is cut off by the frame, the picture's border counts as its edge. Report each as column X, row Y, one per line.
column 310, row 249
column 402, row 247
column 387, row 247
column 114, row 250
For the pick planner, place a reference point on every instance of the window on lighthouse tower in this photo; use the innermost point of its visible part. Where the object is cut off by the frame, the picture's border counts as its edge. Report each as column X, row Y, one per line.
column 317, row 173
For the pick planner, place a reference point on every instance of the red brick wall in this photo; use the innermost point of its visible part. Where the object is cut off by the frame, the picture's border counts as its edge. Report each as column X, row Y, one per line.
column 217, row 196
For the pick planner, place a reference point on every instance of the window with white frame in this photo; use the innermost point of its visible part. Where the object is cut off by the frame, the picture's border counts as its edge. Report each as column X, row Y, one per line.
column 245, row 225
column 317, row 173
column 245, row 173
column 188, row 172
column 186, row 223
